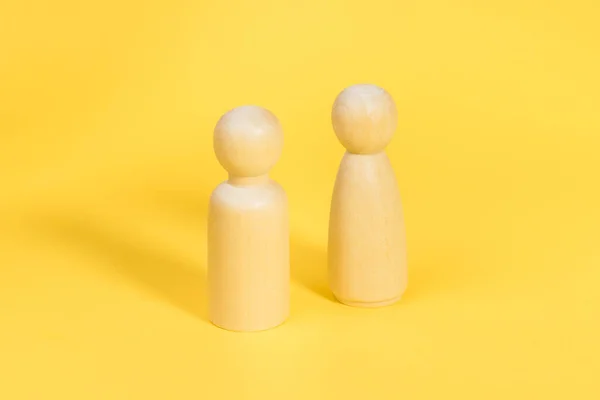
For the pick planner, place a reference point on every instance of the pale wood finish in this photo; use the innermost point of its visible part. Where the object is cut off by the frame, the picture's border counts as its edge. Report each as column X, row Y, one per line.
column 367, row 249
column 248, row 228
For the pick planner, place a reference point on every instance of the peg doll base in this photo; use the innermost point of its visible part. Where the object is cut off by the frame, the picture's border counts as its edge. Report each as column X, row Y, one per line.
column 373, row 304
column 260, row 329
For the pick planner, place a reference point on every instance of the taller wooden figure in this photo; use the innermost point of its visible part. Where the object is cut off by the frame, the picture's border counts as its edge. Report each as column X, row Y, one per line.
column 248, row 228
column 367, row 250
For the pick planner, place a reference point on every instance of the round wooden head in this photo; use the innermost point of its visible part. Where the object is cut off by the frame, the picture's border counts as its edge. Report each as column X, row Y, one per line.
column 364, row 118
column 248, row 141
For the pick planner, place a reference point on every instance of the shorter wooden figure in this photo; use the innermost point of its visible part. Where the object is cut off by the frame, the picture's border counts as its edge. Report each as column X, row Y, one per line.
column 248, row 225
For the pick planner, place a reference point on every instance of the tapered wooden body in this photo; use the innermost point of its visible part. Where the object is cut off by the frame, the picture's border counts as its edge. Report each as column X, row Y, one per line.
column 367, row 250
column 248, row 256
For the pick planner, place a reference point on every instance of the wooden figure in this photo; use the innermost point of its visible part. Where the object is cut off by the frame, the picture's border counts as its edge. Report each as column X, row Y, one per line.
column 248, row 225
column 367, row 250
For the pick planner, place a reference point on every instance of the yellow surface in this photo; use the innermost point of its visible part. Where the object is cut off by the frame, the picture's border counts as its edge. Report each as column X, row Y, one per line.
column 106, row 117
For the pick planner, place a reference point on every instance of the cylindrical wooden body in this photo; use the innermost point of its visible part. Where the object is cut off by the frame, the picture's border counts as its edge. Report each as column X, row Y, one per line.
column 248, row 257
column 367, row 250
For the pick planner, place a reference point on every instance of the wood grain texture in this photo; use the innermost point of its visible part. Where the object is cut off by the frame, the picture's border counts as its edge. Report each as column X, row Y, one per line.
column 367, row 251
column 367, row 245
column 248, row 226
column 248, row 256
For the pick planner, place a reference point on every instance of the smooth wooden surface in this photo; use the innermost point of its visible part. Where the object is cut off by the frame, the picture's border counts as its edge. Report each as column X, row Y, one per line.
column 367, row 250
column 248, row 226
column 367, row 246
column 248, row 257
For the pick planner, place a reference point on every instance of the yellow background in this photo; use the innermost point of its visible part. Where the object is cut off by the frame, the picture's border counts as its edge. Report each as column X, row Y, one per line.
column 106, row 118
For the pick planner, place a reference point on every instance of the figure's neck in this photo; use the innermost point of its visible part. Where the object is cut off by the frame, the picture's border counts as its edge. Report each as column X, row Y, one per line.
column 248, row 180
column 376, row 154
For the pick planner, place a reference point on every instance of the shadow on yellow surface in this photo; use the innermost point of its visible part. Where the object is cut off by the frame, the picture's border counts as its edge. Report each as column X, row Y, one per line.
column 172, row 277
column 309, row 266
column 308, row 261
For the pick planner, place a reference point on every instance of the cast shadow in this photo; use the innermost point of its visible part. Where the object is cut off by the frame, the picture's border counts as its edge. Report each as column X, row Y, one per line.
column 175, row 279
column 309, row 267
column 308, row 262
